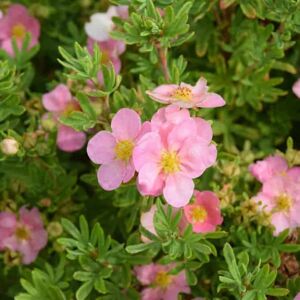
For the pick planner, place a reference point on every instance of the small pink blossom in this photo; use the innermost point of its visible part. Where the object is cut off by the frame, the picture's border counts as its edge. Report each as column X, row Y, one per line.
column 60, row 103
column 177, row 149
column 158, row 284
column 204, row 214
column 113, row 150
column 265, row 169
column 15, row 24
column 296, row 88
column 280, row 194
column 147, row 221
column 185, row 95
column 25, row 234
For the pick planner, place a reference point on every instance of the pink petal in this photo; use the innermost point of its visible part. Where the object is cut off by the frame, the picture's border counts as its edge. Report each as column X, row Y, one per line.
column 147, row 221
column 110, row 176
column 152, row 294
column 38, row 239
column 57, row 99
column 101, row 148
column 296, row 88
column 196, row 157
column 146, row 273
column 147, row 150
column 178, row 189
column 180, row 133
column 163, row 93
column 204, row 227
column 28, row 253
column 265, row 169
column 126, row 124
column 150, row 180
column 31, row 218
column 129, row 172
column 70, row 140
column 204, row 130
column 280, row 222
column 211, row 100
column 200, row 88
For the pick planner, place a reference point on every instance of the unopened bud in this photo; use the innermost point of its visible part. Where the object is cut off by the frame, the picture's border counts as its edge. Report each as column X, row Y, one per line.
column 48, row 124
column 45, row 202
column 9, row 146
column 54, row 229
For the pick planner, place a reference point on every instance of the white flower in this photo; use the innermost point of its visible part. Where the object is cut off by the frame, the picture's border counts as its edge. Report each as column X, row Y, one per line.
column 99, row 27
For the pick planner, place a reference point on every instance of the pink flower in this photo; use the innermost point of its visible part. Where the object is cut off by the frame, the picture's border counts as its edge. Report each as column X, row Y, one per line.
column 15, row 24
column 204, row 214
column 113, row 150
column 159, row 285
column 111, row 51
column 177, row 149
column 265, row 169
column 280, row 197
column 60, row 102
column 296, row 88
column 25, row 234
column 185, row 95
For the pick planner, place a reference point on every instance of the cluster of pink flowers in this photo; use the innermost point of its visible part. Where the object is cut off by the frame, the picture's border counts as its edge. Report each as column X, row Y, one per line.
column 280, row 192
column 167, row 153
column 24, row 233
column 15, row 24
column 59, row 102
column 159, row 284
column 98, row 31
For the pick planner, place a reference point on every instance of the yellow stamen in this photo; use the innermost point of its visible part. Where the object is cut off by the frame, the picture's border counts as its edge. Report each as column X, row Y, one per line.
column 22, row 233
column 163, row 279
column 183, row 93
column 170, row 162
column 198, row 214
column 124, row 150
column 283, row 202
column 18, row 31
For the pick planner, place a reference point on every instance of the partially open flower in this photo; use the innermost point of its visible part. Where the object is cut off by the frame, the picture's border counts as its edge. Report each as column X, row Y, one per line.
column 185, row 95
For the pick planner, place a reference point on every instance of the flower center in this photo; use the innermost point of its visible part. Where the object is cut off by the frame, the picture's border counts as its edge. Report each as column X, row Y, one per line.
column 105, row 59
column 72, row 106
column 22, row 233
column 162, row 279
column 169, row 162
column 182, row 93
column 19, row 31
column 283, row 202
column 198, row 214
column 124, row 150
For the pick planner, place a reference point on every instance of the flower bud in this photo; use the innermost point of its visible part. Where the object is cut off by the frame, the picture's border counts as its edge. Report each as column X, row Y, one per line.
column 54, row 229
column 9, row 146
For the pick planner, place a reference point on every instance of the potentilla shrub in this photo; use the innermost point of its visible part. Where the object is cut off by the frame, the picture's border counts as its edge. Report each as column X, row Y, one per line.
column 148, row 150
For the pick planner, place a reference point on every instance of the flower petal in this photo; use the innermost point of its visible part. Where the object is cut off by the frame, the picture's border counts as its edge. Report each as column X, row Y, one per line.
column 70, row 140
column 126, row 124
column 110, row 176
column 178, row 190
column 101, row 148
column 211, row 100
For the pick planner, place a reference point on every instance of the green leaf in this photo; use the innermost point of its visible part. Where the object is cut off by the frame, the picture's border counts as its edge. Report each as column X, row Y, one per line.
column 84, row 291
column 277, row 292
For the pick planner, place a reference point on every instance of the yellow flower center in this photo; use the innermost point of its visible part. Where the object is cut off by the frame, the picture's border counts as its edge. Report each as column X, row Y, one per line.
column 22, row 233
column 18, row 31
column 162, row 279
column 283, row 202
column 105, row 58
column 72, row 106
column 124, row 150
column 182, row 93
column 198, row 214
column 170, row 162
